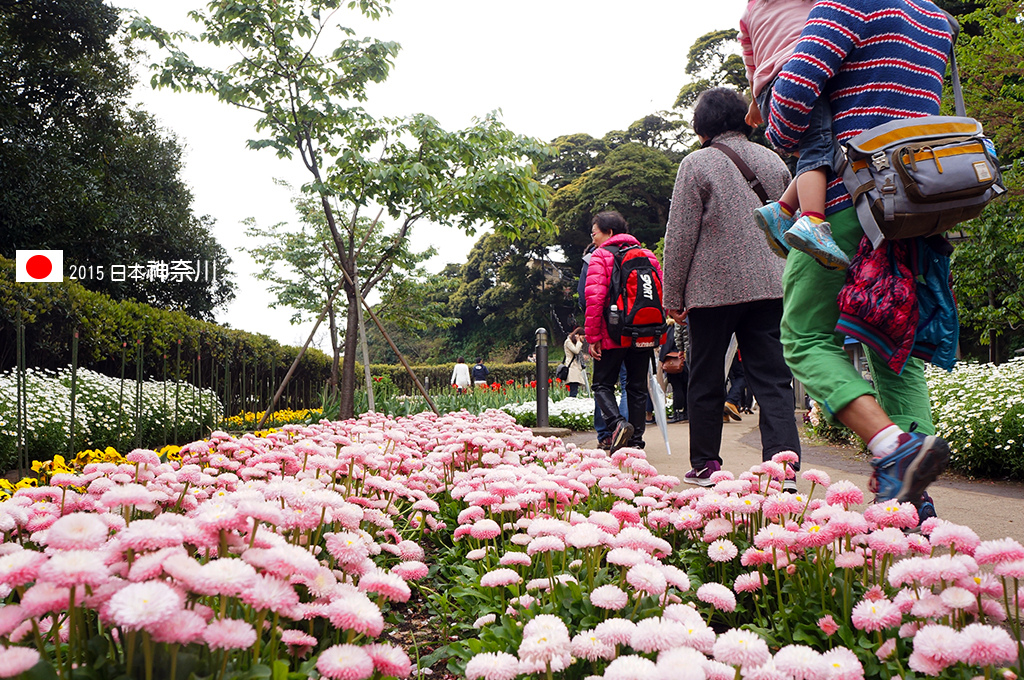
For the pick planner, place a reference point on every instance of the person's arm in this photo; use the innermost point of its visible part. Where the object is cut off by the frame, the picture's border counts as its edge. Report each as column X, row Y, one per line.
column 681, row 233
column 831, row 32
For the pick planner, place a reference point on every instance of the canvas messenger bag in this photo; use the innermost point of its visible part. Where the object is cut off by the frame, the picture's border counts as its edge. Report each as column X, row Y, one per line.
column 921, row 176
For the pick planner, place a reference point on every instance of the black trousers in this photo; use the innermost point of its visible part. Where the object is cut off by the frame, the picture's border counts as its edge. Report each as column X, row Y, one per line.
column 606, row 374
column 679, row 382
column 756, row 325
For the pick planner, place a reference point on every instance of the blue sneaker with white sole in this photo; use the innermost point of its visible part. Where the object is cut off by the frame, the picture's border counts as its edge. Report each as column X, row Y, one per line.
column 816, row 240
column 774, row 224
column 906, row 472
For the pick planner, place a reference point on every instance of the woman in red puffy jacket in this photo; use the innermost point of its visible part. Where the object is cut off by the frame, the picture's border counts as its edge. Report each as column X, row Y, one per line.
column 610, row 229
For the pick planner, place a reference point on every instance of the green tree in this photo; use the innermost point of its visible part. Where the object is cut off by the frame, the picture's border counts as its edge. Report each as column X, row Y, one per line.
column 713, row 60
column 634, row 179
column 507, row 289
column 303, row 272
column 85, row 173
column 573, row 155
column 305, row 95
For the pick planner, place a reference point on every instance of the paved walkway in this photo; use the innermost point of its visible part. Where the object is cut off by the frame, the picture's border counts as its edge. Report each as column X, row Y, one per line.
column 992, row 509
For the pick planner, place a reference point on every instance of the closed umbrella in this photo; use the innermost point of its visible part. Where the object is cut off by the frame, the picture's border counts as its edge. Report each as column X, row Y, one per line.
column 658, row 398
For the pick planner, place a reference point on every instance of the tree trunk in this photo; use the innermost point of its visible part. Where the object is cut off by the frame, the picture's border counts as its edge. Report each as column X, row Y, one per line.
column 335, row 349
column 346, row 408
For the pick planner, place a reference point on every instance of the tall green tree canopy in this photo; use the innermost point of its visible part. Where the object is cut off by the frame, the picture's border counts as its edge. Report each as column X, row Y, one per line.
column 304, row 75
column 713, row 60
column 84, row 172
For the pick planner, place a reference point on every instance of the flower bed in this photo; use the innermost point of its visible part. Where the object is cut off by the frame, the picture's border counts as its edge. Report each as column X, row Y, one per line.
column 575, row 413
column 296, row 554
column 104, row 412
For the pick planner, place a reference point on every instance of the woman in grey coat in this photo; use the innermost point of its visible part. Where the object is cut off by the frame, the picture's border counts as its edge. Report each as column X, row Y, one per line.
column 722, row 277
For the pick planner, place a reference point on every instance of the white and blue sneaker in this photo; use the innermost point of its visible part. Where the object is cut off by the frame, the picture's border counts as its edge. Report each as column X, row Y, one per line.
column 774, row 224
column 816, row 240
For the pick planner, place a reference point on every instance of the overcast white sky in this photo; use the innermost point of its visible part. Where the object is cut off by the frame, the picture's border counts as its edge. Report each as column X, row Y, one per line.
column 552, row 66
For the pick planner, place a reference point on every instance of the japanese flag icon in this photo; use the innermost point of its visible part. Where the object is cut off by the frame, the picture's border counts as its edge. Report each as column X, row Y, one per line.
column 39, row 266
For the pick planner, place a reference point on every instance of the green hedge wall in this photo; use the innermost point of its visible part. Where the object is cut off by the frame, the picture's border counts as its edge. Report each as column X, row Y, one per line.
column 106, row 327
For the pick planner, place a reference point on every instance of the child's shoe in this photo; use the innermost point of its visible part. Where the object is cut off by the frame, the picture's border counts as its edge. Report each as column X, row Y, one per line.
column 816, row 240
column 774, row 223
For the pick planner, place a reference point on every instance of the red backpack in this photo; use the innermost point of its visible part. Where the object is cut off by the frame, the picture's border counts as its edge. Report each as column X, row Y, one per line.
column 633, row 311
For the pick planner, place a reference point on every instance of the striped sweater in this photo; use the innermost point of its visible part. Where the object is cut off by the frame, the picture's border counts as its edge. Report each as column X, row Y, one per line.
column 875, row 60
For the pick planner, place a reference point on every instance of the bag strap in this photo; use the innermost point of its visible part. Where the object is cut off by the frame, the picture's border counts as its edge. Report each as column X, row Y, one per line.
column 958, row 95
column 745, row 170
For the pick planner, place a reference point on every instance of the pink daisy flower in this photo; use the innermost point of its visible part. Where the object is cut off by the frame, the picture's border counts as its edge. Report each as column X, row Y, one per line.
column 586, row 535
column 77, row 531
column 75, row 568
column 844, row 493
column 16, row 660
column 630, row 667
column 936, row 646
column 485, row 529
column 144, row 605
column 385, row 583
column 676, row 577
column 889, row 541
column 1002, row 550
column 843, row 664
column 802, row 663
column 485, row 620
column 515, row 558
column 647, row 578
column 389, row 660
column 748, row 583
column 411, row 570
column 738, row 647
column 345, row 662
column 500, row 577
column 892, row 514
column 298, row 643
column 753, row 557
column 986, row 645
column 717, row 528
column 849, row 560
column 586, row 645
column 270, row 593
column 773, row 536
column 872, row 615
column 609, row 597
column 828, row 625
column 492, row 666
column 956, row 597
column 722, row 550
column 20, row 568
column 355, row 611
column 819, row 477
column 182, row 627
column 615, row 631
column 150, row 534
column 718, row 596
column 229, row 634
column 347, row 547
column 957, row 536
column 545, row 544
column 225, row 576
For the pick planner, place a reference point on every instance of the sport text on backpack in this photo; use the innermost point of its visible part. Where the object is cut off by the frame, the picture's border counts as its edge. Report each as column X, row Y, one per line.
column 633, row 312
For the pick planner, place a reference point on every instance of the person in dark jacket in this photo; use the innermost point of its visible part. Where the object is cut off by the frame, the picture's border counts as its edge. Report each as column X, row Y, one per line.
column 678, row 381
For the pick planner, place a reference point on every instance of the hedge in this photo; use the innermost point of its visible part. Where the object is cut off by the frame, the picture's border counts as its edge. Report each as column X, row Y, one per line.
column 107, row 328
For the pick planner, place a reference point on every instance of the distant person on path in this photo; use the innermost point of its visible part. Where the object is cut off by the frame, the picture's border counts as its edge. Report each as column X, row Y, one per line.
column 678, row 381
column 573, row 347
column 480, row 373
column 769, row 30
column 609, row 228
column 848, row 47
column 604, row 433
column 722, row 278
column 460, row 376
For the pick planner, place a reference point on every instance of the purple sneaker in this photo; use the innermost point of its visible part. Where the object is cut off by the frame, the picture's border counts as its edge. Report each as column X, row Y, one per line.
column 702, row 477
